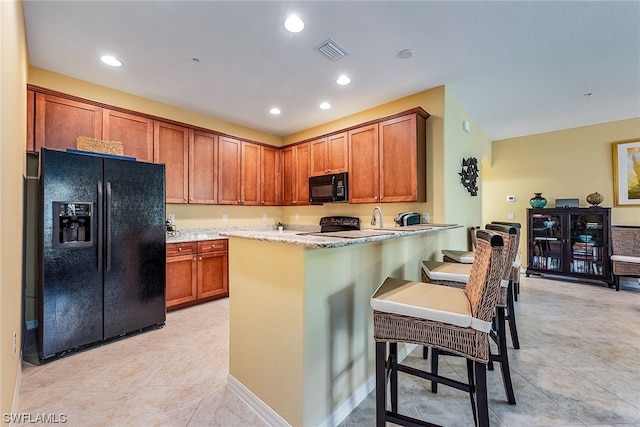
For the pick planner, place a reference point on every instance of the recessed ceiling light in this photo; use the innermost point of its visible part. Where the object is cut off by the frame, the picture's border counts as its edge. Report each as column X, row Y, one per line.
column 110, row 60
column 404, row 54
column 275, row 111
column 294, row 24
column 325, row 105
column 343, row 80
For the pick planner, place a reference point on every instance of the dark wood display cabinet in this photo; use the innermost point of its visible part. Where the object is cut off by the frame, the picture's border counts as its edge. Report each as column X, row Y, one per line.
column 570, row 242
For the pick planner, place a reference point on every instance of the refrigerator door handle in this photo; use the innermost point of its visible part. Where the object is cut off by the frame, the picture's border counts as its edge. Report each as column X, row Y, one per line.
column 99, row 226
column 108, row 231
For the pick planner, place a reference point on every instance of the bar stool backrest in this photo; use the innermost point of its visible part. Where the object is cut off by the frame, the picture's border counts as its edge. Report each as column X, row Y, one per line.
column 510, row 238
column 483, row 286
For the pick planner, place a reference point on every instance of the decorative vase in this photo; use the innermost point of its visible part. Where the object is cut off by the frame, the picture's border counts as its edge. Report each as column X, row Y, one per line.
column 594, row 199
column 538, row 201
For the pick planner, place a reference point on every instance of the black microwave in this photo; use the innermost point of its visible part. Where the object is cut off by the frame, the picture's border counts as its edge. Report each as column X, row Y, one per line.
column 329, row 188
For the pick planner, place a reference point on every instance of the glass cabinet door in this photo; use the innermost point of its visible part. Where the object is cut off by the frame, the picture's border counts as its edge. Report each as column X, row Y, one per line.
column 546, row 241
column 587, row 243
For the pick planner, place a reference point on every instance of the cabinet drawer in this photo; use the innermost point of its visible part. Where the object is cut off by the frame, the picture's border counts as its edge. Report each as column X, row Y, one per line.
column 212, row 245
column 187, row 248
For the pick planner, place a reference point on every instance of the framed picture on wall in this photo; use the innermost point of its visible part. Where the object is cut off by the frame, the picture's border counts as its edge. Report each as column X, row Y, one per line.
column 626, row 172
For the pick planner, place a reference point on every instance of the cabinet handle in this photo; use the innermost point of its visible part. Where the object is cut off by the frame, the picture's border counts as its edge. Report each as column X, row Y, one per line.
column 179, row 249
column 191, row 198
column 185, row 199
column 194, row 259
column 200, row 258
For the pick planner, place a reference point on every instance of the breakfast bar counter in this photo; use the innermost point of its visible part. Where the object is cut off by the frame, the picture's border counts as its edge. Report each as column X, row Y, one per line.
column 301, row 348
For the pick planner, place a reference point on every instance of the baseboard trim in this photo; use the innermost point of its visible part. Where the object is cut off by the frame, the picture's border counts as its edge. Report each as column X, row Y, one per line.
column 263, row 410
column 272, row 418
column 16, row 393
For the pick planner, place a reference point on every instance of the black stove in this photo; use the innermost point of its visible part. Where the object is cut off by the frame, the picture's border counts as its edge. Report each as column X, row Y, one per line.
column 339, row 223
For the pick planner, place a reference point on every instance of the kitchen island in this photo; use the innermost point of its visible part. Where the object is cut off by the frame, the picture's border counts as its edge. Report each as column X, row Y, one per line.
column 301, row 348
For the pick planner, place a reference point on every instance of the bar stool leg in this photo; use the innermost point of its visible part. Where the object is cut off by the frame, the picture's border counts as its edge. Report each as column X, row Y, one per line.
column 393, row 357
column 381, row 383
column 513, row 329
column 503, row 357
column 472, row 389
column 480, row 374
column 434, row 368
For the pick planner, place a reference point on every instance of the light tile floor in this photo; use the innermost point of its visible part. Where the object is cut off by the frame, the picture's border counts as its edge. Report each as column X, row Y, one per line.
column 579, row 364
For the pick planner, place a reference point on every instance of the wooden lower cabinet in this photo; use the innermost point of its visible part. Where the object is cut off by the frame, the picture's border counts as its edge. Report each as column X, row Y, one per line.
column 196, row 272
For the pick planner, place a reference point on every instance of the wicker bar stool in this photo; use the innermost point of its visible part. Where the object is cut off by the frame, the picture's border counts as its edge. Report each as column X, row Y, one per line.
column 498, row 333
column 515, row 277
column 464, row 257
column 456, row 274
column 451, row 319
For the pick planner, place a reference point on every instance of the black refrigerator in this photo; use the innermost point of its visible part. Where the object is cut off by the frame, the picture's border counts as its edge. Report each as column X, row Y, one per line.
column 102, row 249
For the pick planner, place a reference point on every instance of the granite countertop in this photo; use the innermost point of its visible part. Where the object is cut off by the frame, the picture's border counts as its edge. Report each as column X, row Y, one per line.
column 314, row 239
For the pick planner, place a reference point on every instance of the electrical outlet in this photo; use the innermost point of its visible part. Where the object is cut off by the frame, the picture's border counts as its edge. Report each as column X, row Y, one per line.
column 172, row 217
column 15, row 343
column 264, row 216
column 511, row 198
column 512, row 215
column 425, row 218
column 225, row 217
column 297, row 217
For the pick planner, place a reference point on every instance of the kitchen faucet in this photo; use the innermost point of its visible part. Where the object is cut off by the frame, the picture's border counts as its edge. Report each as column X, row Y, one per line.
column 373, row 216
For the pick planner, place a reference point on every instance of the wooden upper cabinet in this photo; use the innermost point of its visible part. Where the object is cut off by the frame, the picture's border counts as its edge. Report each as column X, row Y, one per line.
column 338, row 149
column 303, row 162
column 319, row 155
column 229, row 160
column 60, row 121
column 171, row 147
column 269, row 176
column 329, row 154
column 403, row 159
column 288, row 175
column 296, row 161
column 135, row 133
column 364, row 185
column 31, row 120
column 250, row 174
column 203, row 164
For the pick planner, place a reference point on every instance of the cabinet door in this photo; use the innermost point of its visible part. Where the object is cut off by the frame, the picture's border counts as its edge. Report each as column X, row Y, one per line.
column 303, row 161
column 547, row 237
column 319, row 157
column 398, row 160
column 181, row 279
column 270, row 176
column 31, row 119
column 229, row 170
column 250, row 177
column 364, row 165
column 338, row 153
column 171, row 147
column 135, row 133
column 213, row 274
column 60, row 121
column 288, row 175
column 589, row 242
column 203, row 163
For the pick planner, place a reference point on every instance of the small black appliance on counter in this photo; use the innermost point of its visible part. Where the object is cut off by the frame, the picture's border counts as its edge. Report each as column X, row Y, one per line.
column 339, row 223
column 407, row 218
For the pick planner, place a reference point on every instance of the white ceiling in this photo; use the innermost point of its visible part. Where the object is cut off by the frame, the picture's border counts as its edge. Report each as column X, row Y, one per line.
column 518, row 67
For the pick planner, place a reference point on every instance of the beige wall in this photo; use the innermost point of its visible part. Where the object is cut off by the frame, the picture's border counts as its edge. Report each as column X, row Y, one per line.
column 570, row 163
column 13, row 71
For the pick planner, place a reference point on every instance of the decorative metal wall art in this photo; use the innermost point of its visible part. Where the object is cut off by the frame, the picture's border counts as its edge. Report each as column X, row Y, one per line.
column 469, row 175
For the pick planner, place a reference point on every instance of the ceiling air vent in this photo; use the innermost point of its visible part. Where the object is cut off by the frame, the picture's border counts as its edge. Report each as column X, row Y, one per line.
column 332, row 50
